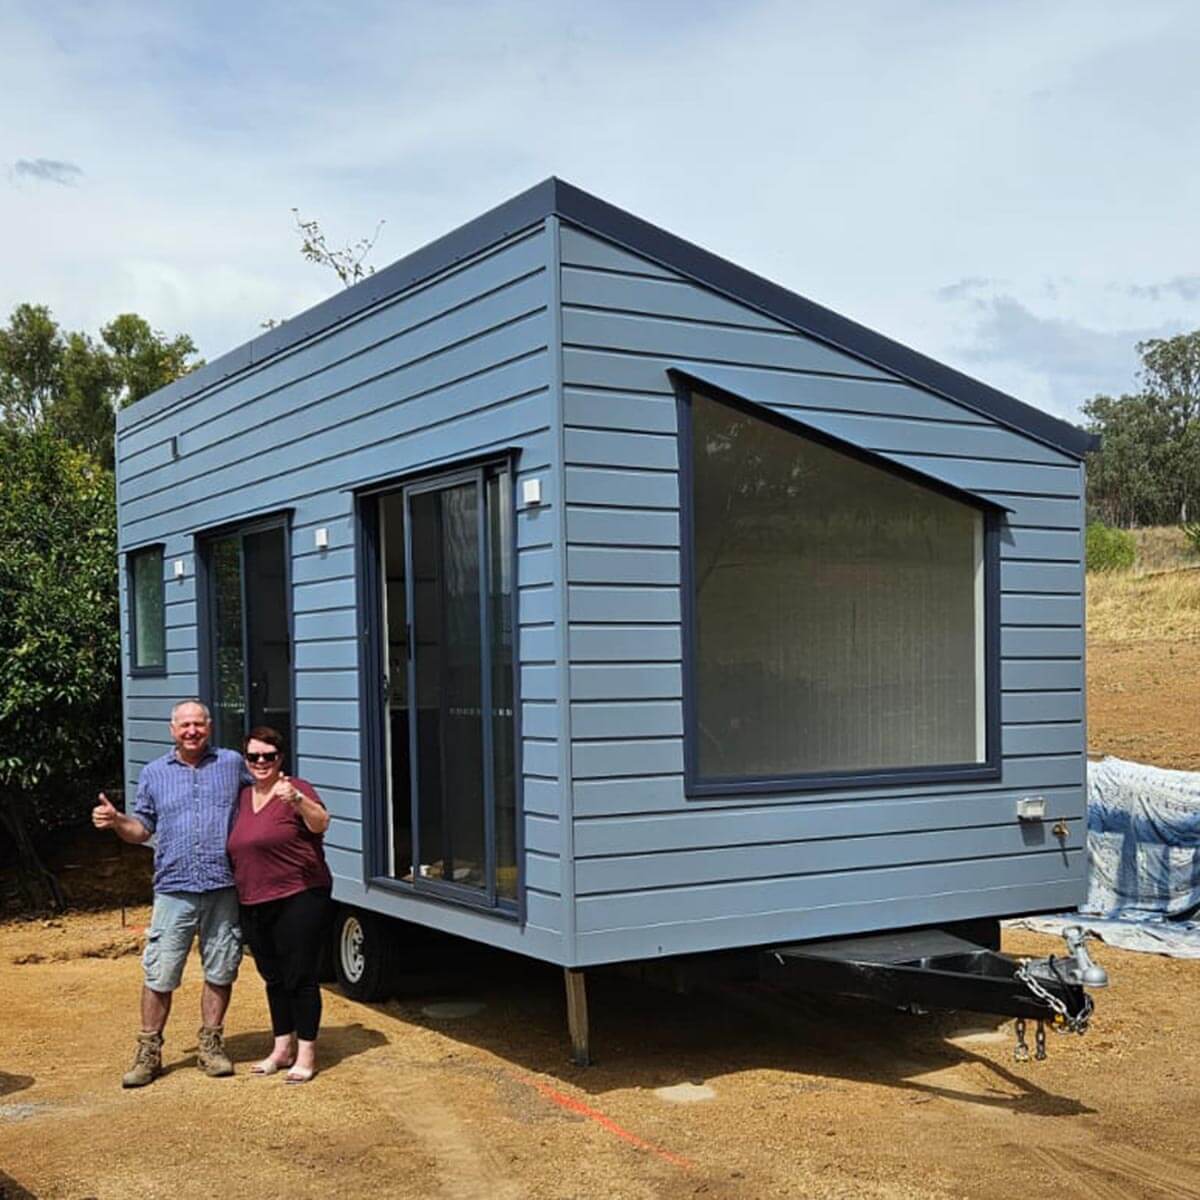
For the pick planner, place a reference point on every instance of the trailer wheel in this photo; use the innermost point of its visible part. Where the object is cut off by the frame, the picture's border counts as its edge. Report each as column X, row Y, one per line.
column 364, row 954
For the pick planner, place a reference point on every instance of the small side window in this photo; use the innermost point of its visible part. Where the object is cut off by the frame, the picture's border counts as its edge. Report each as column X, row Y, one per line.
column 147, row 618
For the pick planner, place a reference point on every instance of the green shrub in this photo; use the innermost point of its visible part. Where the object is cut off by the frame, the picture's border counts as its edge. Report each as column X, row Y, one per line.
column 1109, row 549
column 1191, row 531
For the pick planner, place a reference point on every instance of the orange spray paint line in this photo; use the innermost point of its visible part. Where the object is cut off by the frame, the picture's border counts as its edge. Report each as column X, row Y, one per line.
column 592, row 1114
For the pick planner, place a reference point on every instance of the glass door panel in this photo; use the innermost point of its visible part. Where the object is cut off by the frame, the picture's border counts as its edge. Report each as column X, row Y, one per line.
column 398, row 762
column 447, row 741
column 229, row 653
column 268, row 642
column 251, row 654
column 445, row 642
column 500, row 621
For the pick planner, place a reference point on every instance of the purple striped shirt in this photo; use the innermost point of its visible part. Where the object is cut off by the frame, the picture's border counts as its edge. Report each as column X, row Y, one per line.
column 191, row 810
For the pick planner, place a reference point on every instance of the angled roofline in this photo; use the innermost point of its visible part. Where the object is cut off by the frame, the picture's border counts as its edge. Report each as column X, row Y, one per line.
column 555, row 197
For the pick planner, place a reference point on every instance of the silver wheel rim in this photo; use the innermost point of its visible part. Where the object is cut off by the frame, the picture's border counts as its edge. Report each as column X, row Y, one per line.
column 350, row 944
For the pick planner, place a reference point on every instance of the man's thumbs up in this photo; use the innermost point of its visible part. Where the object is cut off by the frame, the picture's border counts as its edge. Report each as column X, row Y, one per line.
column 104, row 816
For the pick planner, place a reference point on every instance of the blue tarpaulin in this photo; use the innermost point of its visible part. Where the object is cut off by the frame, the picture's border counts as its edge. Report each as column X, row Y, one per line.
column 1143, row 860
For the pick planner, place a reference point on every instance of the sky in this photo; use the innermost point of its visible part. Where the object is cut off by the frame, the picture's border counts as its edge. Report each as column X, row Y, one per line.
column 1012, row 188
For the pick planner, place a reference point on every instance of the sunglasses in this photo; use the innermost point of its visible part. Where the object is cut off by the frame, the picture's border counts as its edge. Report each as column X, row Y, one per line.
column 269, row 757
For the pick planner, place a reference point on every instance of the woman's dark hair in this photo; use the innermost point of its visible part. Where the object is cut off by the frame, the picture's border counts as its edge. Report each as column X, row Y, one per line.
column 264, row 733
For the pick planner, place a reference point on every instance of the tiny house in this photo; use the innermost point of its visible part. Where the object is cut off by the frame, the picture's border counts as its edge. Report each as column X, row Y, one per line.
column 619, row 603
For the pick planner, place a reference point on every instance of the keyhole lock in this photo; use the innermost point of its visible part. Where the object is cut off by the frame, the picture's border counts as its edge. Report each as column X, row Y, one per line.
column 1060, row 830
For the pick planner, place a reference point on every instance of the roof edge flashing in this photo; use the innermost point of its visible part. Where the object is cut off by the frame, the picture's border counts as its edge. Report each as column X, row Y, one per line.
column 556, row 197
column 605, row 220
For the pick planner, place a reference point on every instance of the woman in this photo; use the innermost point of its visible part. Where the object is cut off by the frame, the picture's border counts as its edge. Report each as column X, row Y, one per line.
column 283, row 885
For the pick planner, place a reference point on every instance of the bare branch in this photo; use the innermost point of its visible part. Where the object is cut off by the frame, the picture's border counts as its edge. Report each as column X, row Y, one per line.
column 347, row 262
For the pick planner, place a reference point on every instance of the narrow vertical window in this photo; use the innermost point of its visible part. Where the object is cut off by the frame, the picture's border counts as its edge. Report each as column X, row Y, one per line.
column 148, row 649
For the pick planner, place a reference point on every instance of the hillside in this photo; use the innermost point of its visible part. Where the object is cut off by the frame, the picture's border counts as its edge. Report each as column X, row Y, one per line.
column 1143, row 650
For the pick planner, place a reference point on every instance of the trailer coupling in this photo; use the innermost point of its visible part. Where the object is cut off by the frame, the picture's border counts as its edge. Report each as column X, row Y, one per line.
column 925, row 969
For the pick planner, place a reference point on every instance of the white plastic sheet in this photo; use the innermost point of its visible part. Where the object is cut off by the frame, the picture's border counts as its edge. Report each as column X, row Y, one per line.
column 1143, row 860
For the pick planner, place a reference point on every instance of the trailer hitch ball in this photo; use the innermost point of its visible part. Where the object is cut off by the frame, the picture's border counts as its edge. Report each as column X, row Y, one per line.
column 1090, row 974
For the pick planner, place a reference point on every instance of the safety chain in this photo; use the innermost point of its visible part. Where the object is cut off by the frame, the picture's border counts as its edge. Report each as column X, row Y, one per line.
column 1064, row 1021
column 1021, row 1050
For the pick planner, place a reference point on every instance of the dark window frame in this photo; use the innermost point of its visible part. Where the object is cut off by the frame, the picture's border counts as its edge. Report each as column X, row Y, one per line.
column 700, row 788
column 145, row 670
column 206, row 634
column 371, row 690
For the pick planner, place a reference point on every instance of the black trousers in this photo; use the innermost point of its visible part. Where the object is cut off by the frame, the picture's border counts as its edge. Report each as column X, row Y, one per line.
column 285, row 936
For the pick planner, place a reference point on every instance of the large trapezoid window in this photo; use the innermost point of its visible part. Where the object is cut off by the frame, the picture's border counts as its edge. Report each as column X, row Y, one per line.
column 836, row 611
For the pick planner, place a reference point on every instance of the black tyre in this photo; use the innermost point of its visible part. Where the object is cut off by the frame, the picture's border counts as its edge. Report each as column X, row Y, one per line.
column 365, row 954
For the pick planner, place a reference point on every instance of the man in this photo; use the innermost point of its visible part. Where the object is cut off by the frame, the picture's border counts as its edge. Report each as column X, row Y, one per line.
column 187, row 797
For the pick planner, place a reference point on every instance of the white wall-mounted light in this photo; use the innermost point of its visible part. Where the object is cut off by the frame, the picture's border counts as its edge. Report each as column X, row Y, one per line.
column 321, row 538
column 531, row 492
column 179, row 568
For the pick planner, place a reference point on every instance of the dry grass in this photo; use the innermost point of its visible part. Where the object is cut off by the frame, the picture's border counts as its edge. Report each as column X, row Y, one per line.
column 1162, row 548
column 1125, row 606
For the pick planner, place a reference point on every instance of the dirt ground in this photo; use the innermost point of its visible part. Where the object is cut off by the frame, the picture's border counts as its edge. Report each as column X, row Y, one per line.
column 767, row 1096
column 1144, row 701
column 781, row 1097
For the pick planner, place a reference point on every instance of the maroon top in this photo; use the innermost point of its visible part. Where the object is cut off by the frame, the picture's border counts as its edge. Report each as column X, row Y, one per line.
column 274, row 854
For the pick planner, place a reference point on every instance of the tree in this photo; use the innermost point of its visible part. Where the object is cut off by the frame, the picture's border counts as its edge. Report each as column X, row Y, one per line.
column 76, row 385
column 143, row 359
column 60, row 697
column 1147, row 470
column 81, row 409
column 60, row 689
column 31, row 353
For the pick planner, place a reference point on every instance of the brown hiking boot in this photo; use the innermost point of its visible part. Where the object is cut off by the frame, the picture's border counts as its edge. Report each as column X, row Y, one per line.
column 147, row 1065
column 212, row 1059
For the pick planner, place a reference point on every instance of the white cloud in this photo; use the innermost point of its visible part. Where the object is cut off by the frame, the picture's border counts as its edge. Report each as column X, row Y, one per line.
column 864, row 155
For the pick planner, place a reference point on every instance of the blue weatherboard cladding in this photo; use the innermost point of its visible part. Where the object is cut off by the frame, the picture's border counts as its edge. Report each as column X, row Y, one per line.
column 658, row 873
column 454, row 365
column 548, row 326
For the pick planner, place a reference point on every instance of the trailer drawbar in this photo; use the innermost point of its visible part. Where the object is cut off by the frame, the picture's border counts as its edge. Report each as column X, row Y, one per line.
column 923, row 969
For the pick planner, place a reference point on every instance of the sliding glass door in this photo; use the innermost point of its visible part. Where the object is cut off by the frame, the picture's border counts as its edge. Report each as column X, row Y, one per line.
column 249, row 653
column 446, row 642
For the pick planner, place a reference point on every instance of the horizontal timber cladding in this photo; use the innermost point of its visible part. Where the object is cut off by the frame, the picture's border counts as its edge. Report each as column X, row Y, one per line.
column 770, row 860
column 657, row 873
column 821, row 888
column 764, row 824
column 654, row 794
column 458, row 366
column 935, row 901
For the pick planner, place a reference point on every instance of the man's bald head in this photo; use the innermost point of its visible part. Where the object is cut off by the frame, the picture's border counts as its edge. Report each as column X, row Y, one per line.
column 191, row 724
column 190, row 704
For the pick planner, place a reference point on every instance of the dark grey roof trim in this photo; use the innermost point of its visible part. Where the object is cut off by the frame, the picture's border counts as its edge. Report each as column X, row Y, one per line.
column 843, row 334
column 555, row 197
